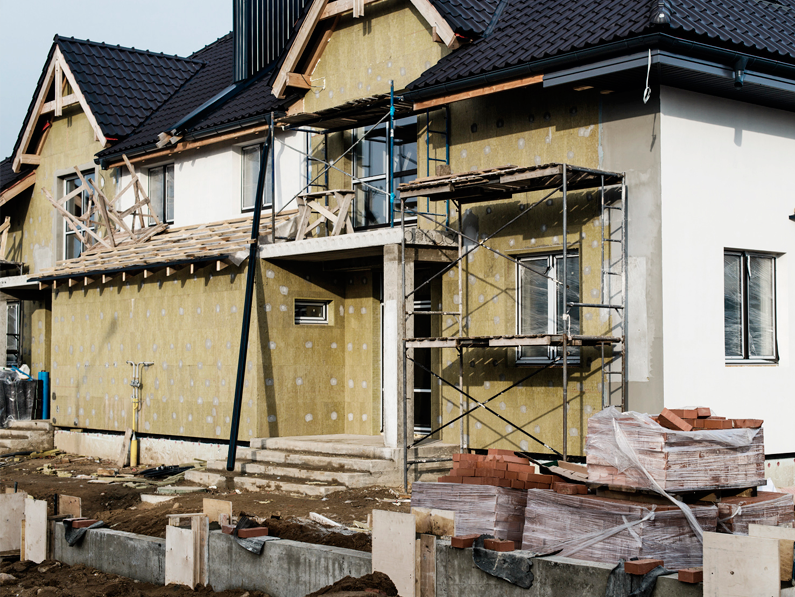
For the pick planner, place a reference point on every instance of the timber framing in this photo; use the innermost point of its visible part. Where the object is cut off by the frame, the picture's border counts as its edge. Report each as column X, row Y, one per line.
column 17, row 188
column 58, row 73
column 478, row 92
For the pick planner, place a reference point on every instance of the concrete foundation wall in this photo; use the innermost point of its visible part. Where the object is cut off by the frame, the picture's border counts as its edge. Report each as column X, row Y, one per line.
column 716, row 202
column 284, row 569
column 136, row 556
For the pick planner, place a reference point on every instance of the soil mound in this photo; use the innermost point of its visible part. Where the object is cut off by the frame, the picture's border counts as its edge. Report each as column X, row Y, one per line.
column 378, row 583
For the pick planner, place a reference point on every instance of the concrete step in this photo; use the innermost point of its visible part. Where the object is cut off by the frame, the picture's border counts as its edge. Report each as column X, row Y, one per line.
column 363, row 465
column 356, row 446
column 31, row 425
column 259, row 484
column 343, row 478
column 207, row 479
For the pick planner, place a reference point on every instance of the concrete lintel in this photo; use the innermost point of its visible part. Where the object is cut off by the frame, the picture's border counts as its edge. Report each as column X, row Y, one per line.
column 18, row 283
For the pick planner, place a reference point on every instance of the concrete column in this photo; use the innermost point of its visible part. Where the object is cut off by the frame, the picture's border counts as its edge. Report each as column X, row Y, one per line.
column 395, row 330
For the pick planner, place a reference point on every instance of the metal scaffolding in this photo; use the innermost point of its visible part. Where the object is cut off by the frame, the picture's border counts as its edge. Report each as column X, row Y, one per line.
column 496, row 185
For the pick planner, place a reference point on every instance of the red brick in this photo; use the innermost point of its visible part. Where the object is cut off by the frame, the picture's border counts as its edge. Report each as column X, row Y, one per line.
column 252, row 532
column 450, row 479
column 471, row 480
column 512, row 475
column 700, row 424
column 83, row 523
column 456, row 457
column 463, row 472
column 536, row 478
column 717, row 424
column 516, row 484
column 747, row 423
column 685, row 413
column 515, row 460
column 673, row 421
column 704, row 412
column 497, row 545
column 691, row 575
column 504, row 483
column 463, row 541
column 641, row 567
column 582, row 490
column 469, row 464
column 491, row 481
column 226, row 529
column 565, row 488
column 521, row 468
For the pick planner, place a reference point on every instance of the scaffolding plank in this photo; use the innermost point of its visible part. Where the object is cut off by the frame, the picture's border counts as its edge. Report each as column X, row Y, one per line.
column 12, row 511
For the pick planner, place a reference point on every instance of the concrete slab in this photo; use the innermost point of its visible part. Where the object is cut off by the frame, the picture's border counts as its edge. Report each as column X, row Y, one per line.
column 148, row 498
column 284, row 568
column 12, row 511
column 255, row 484
column 349, row 479
column 206, row 478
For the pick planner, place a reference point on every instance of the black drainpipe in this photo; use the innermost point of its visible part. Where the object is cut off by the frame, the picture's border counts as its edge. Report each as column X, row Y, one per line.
column 251, row 276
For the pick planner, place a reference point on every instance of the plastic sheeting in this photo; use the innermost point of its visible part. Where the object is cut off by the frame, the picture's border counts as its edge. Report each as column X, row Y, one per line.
column 18, row 398
column 601, row 529
column 621, row 584
column 511, row 566
column 767, row 508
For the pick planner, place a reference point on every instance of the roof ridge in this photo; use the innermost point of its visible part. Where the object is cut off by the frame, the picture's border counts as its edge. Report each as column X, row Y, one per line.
column 660, row 13
column 211, row 44
column 103, row 44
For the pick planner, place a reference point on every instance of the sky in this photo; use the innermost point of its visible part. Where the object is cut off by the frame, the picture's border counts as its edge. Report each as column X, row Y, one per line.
column 171, row 26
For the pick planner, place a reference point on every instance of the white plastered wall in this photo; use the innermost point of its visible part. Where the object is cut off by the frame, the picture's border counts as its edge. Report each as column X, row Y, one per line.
column 208, row 180
column 725, row 167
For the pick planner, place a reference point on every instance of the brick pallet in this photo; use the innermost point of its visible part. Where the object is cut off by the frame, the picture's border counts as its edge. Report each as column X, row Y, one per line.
column 481, row 509
column 767, row 508
column 678, row 460
column 501, row 468
column 552, row 518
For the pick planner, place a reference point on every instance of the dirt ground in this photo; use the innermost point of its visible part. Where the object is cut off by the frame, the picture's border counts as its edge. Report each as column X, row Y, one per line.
column 121, row 508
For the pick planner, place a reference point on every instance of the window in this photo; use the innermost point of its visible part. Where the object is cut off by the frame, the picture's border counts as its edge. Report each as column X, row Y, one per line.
column 749, row 306
column 250, row 175
column 161, row 193
column 371, row 206
column 77, row 206
column 541, row 303
column 14, row 311
column 309, row 312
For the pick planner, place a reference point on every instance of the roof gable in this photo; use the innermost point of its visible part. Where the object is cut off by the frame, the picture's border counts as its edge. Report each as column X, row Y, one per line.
column 116, row 88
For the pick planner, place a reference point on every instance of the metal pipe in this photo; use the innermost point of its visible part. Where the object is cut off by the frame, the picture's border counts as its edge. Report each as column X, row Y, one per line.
column 462, row 443
column 624, row 319
column 273, row 184
column 391, row 155
column 135, row 383
column 565, row 318
column 405, row 438
column 251, row 274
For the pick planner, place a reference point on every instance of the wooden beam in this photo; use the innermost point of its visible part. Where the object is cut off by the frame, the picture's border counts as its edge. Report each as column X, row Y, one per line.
column 221, row 264
column 170, row 271
column 148, row 273
column 30, row 158
column 88, row 281
column 298, row 46
column 26, row 135
column 106, row 278
column 68, row 100
column 464, row 95
column 341, row 7
column 58, row 89
column 434, row 19
column 43, row 285
column 187, row 145
column 19, row 187
column 67, row 72
column 320, row 47
column 298, row 80
column 72, row 282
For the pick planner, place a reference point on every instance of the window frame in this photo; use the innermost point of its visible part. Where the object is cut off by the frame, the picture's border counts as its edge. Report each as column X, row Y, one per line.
column 746, row 358
column 90, row 176
column 553, row 352
column 357, row 136
column 15, row 333
column 322, row 320
column 164, row 217
column 267, row 204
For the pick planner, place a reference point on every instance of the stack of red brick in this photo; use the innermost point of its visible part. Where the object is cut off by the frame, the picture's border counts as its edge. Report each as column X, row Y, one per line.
column 689, row 419
column 501, row 468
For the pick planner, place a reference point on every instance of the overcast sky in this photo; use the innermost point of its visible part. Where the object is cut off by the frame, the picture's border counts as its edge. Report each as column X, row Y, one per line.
column 171, row 26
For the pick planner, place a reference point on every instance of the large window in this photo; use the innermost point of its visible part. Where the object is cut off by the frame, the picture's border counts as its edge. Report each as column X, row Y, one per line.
column 161, row 193
column 749, row 306
column 371, row 168
column 77, row 206
column 250, row 174
column 542, row 304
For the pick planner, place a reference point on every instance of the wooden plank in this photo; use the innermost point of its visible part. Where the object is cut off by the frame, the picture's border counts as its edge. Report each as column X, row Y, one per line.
column 42, row 95
column 393, row 548
column 35, row 530
column 215, row 508
column 124, row 453
column 340, row 7
column 30, row 158
column 71, row 505
column 322, row 43
column 12, row 512
column 58, row 89
column 298, row 46
column 739, row 566
column 298, row 81
column 180, row 557
column 481, row 91
column 434, row 19
column 786, row 537
column 343, row 204
column 200, row 528
column 428, row 566
column 19, row 187
column 67, row 72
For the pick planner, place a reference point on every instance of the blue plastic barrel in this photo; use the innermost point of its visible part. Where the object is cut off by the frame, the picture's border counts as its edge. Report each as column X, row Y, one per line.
column 44, row 378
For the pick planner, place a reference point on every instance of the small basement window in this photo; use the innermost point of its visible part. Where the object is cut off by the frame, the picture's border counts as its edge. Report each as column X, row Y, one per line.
column 311, row 312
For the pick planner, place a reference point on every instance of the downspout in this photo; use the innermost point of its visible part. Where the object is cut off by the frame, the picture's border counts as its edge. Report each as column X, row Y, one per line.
column 251, row 275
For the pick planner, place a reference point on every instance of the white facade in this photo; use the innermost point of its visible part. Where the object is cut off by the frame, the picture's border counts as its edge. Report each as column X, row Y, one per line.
column 723, row 176
column 208, row 182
